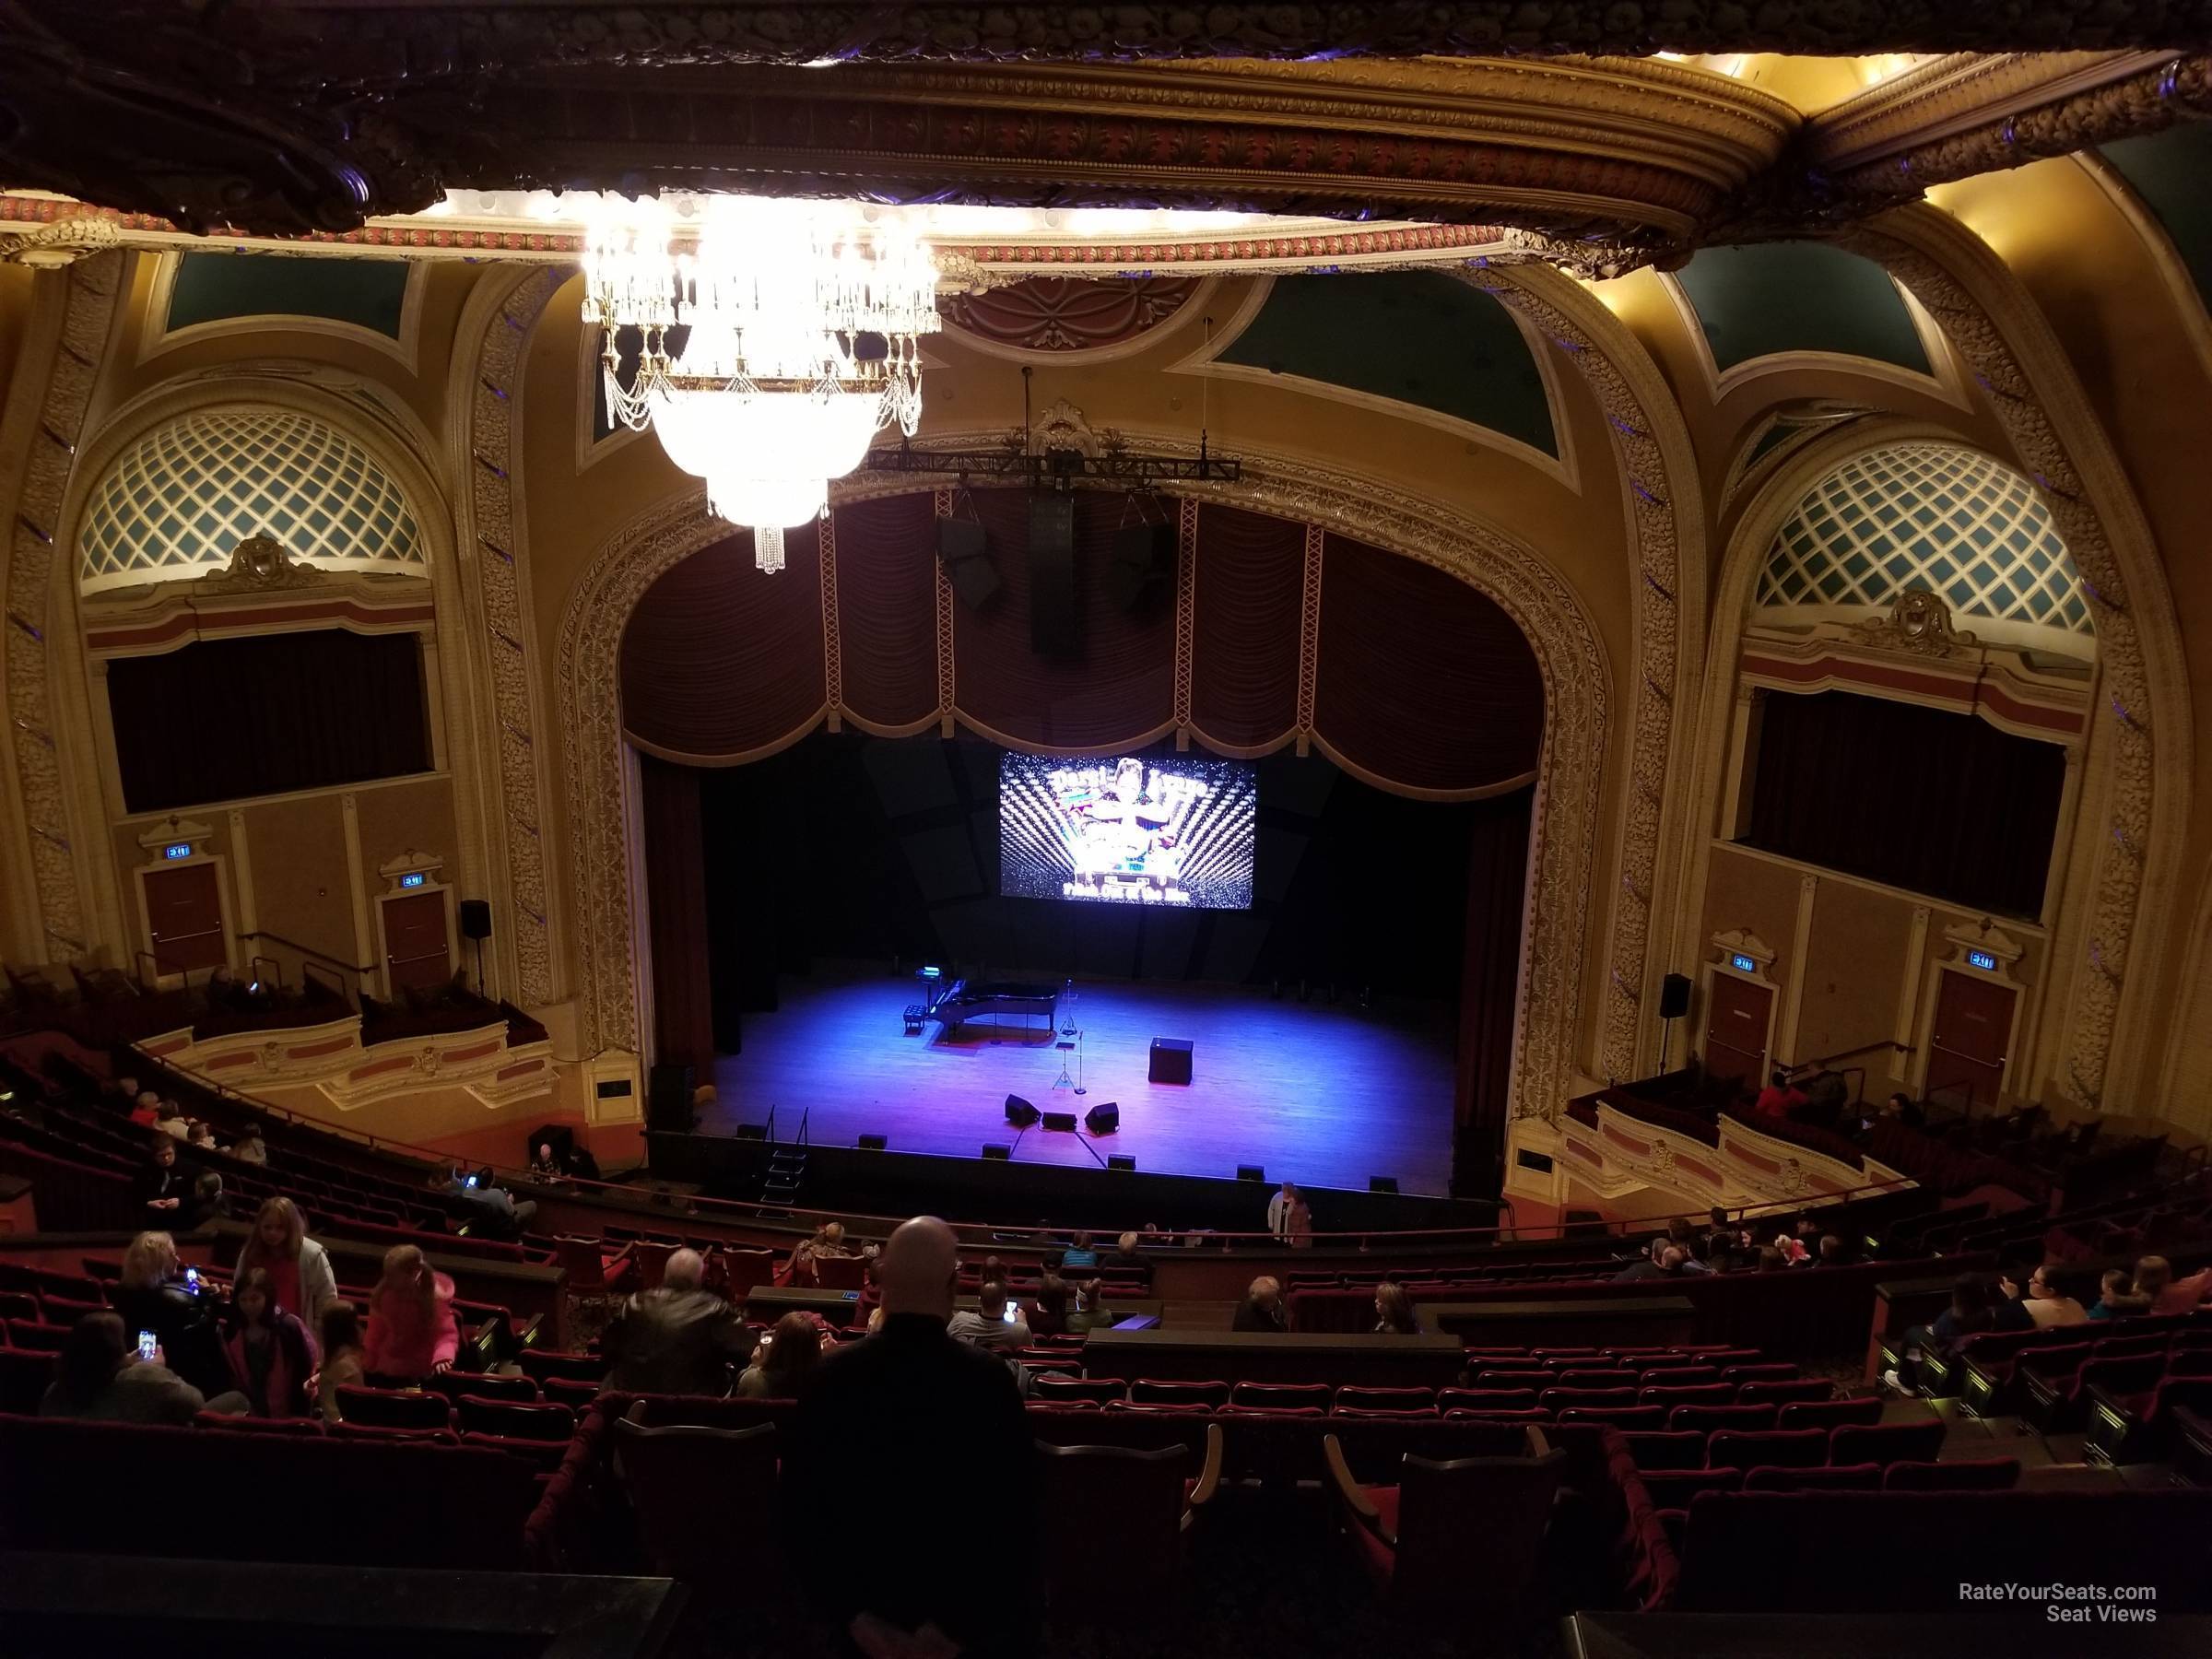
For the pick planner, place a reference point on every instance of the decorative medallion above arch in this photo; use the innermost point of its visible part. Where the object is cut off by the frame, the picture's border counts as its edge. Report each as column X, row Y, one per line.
column 1073, row 319
column 178, row 502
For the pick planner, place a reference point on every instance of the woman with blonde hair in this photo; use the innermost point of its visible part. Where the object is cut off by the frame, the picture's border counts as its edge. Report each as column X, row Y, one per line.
column 829, row 1240
column 155, row 1295
column 298, row 1265
column 1394, row 1311
column 411, row 1332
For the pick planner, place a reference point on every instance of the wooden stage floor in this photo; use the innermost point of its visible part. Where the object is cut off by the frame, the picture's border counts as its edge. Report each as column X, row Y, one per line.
column 1320, row 1094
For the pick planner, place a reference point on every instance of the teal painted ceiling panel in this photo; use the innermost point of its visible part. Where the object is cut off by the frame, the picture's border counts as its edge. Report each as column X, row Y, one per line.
column 214, row 287
column 1416, row 337
column 1782, row 297
column 2170, row 170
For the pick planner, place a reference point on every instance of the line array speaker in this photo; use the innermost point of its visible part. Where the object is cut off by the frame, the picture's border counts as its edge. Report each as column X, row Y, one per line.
column 1054, row 625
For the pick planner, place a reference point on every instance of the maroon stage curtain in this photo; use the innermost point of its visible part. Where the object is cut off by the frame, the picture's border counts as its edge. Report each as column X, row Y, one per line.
column 1122, row 686
column 719, row 659
column 1251, row 575
column 1488, row 988
column 676, row 900
column 1421, row 679
column 886, row 607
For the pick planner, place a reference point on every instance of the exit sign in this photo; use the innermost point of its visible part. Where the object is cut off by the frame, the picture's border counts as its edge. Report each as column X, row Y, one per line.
column 1743, row 964
column 177, row 850
column 1981, row 958
column 414, row 880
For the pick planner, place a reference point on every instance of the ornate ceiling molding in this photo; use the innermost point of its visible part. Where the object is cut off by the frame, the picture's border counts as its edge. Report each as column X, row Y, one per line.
column 1564, row 824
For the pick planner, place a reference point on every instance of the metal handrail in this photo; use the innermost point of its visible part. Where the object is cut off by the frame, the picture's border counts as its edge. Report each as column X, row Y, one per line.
column 743, row 1212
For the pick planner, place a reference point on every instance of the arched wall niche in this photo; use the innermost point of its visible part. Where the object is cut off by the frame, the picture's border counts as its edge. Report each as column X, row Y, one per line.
column 389, row 433
column 1564, row 834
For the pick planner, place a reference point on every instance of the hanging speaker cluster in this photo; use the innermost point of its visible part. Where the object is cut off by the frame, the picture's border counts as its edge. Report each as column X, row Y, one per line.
column 1143, row 568
column 962, row 551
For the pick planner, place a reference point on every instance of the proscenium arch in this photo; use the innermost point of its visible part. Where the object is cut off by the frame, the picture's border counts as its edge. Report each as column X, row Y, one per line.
column 1563, row 829
column 1744, row 555
column 399, row 452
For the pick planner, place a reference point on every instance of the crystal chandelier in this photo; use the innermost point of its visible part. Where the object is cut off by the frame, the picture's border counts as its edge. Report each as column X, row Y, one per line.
column 773, row 348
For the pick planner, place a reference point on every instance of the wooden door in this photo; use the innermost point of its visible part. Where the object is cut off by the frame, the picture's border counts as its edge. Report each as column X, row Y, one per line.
column 1972, row 1038
column 184, row 913
column 417, row 955
column 1735, row 1030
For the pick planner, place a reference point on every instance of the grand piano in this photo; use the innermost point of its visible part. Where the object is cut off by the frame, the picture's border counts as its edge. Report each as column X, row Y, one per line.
column 996, row 1002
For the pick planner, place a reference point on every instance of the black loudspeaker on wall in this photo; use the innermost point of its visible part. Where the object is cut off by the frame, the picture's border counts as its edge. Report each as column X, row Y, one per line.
column 1056, row 629
column 1144, row 565
column 1674, row 996
column 668, row 1099
column 476, row 918
column 967, row 560
column 1019, row 1113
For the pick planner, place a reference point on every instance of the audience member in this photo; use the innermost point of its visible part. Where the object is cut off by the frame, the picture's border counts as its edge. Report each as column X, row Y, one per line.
column 1666, row 1259
column 1080, row 1252
column 207, row 1201
column 680, row 1338
column 1906, row 1111
column 2116, row 1297
column 120, row 1093
column 271, row 1355
column 1299, row 1225
column 101, row 1375
column 1262, row 1309
column 785, row 1359
column 1970, row 1314
column 1279, row 1210
column 996, row 1324
column 297, row 1266
column 2033, row 1289
column 250, row 1147
column 147, row 1113
column 412, row 1332
column 1833, row 1252
column 1717, row 1243
column 926, row 1437
column 1790, row 1249
column 1394, row 1311
column 1127, row 1254
column 488, row 1202
column 172, row 1121
column 201, row 1136
column 2154, row 1278
column 543, row 1165
column 1779, row 1098
column 1771, row 1260
column 1092, row 1313
column 156, row 1295
column 829, row 1240
column 341, row 1368
column 161, row 1187
column 1049, row 1317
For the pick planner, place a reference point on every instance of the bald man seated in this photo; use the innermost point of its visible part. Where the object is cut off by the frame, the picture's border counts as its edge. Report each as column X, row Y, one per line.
column 680, row 1338
column 922, row 1440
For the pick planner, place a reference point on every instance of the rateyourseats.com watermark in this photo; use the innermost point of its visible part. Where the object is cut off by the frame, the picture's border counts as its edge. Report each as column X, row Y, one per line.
column 2073, row 1603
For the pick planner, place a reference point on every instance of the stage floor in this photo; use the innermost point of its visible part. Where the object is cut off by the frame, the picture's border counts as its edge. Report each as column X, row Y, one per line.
column 1324, row 1095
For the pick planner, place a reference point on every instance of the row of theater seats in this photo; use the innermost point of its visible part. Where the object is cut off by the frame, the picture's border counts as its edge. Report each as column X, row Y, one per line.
column 1990, row 1371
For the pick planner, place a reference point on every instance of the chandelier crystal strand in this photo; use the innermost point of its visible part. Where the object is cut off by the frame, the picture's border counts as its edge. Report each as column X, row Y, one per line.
column 771, row 350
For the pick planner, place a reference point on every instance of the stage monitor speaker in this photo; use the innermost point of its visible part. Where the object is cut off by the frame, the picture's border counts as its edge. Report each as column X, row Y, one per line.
column 1143, row 565
column 1054, row 625
column 1060, row 1122
column 1381, row 1183
column 476, row 918
column 561, row 1138
column 668, row 1099
column 1104, row 1118
column 962, row 549
column 871, row 1143
column 997, row 1154
column 1120, row 1161
column 1674, row 996
column 1019, row 1113
column 751, row 1131
column 1250, row 1172
column 1171, row 1060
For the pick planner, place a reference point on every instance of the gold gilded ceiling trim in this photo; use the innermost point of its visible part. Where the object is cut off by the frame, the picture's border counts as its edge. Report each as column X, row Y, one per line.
column 1955, row 94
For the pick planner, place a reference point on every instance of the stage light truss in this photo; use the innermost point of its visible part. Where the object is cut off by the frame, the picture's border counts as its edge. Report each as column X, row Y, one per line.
column 1056, row 466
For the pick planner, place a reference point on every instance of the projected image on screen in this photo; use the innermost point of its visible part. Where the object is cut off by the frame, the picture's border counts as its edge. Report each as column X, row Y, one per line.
column 1173, row 831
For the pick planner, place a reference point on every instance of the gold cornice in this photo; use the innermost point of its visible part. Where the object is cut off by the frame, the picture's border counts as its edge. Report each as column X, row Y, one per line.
column 1957, row 93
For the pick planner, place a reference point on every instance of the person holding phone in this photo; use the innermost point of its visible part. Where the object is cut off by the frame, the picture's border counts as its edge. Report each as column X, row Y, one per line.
column 786, row 1360
column 155, row 1293
column 101, row 1375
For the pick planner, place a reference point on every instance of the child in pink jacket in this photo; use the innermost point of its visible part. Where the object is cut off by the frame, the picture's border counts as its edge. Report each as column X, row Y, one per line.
column 411, row 1329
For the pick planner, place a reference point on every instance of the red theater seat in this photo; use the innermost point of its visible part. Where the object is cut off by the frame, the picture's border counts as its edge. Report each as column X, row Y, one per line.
column 1487, row 1399
column 37, row 1335
column 1748, row 1419
column 482, row 1385
column 514, row 1421
column 737, row 1537
column 1887, row 1443
column 543, row 1364
column 1779, row 1448
column 1673, row 1488
column 1688, row 1394
column 1827, row 1414
column 1805, row 1391
column 1068, row 1391
column 1144, row 1499
column 393, row 1409
column 1844, row 1478
column 1385, row 1399
column 1969, row 1475
column 1620, row 1416
column 1667, row 1449
column 1207, row 1397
